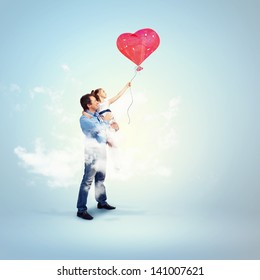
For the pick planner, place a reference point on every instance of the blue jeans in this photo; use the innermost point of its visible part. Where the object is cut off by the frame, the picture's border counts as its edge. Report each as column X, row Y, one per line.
column 90, row 173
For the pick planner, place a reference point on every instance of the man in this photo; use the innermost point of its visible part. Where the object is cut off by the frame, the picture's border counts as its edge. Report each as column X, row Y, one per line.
column 94, row 128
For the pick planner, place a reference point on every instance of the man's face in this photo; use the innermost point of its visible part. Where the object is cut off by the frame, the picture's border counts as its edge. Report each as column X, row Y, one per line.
column 94, row 104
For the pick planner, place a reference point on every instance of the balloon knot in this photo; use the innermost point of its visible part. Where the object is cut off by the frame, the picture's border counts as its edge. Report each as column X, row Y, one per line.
column 139, row 68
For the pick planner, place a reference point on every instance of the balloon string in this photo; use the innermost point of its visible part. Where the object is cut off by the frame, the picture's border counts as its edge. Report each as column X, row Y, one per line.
column 132, row 99
column 134, row 76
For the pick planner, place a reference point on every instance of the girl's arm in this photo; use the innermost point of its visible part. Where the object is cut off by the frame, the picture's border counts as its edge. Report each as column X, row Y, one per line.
column 121, row 92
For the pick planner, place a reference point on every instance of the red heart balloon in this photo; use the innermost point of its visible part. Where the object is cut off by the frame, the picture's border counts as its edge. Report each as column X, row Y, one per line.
column 139, row 45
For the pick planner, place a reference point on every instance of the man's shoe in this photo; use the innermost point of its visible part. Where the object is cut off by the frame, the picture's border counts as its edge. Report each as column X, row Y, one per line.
column 105, row 206
column 84, row 215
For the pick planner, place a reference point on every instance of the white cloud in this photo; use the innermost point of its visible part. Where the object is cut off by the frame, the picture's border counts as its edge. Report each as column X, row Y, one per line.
column 54, row 95
column 173, row 109
column 64, row 167
column 15, row 88
column 12, row 92
column 12, row 88
column 164, row 171
column 37, row 90
column 143, row 150
column 60, row 167
column 65, row 67
column 73, row 79
column 54, row 103
column 19, row 107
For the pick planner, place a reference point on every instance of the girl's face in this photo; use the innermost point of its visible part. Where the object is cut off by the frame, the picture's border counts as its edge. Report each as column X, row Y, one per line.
column 102, row 93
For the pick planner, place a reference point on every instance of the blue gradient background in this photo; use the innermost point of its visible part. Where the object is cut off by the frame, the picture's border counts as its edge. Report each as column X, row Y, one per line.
column 189, row 185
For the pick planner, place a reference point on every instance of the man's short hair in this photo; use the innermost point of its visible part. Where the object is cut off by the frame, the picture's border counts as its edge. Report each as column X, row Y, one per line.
column 85, row 100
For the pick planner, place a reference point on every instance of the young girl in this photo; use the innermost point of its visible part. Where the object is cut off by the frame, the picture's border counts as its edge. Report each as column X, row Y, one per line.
column 104, row 105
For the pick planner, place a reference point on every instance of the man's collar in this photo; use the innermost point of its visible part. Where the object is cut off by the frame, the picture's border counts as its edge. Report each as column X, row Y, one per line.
column 92, row 114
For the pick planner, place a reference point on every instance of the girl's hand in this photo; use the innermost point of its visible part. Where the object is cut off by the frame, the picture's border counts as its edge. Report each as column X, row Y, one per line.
column 115, row 126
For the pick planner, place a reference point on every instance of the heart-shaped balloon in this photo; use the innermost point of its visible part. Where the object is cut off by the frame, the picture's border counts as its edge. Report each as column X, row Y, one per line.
column 139, row 45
